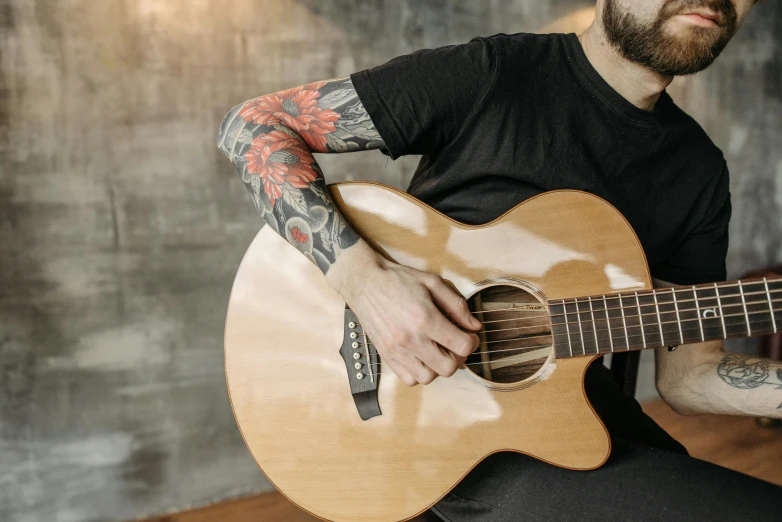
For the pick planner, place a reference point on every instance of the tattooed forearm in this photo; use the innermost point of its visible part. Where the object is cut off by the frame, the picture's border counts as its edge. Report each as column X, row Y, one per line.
column 747, row 373
column 270, row 141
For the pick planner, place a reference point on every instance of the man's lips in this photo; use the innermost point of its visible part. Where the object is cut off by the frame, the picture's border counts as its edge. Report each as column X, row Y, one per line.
column 702, row 17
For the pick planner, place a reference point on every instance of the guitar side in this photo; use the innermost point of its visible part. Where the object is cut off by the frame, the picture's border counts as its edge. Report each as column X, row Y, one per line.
column 288, row 384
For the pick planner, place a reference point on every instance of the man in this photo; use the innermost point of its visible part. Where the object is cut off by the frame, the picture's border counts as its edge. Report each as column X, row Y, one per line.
column 498, row 120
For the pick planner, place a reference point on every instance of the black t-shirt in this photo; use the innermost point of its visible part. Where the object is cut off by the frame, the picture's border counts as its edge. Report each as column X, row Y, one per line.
column 503, row 118
column 506, row 117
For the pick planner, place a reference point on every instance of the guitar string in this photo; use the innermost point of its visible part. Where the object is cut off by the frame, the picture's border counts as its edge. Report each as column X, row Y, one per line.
column 369, row 343
column 551, row 345
column 580, row 323
column 645, row 326
column 654, row 323
column 391, row 372
column 529, row 348
column 662, row 292
column 624, row 296
column 465, row 364
column 606, row 298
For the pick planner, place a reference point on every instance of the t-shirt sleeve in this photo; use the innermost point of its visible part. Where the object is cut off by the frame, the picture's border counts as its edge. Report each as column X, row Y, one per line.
column 701, row 257
column 421, row 101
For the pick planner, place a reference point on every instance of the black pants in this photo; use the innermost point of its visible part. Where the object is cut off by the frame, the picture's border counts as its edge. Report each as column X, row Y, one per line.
column 649, row 476
column 637, row 483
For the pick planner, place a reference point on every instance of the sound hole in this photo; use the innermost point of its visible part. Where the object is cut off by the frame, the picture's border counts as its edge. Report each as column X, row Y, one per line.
column 516, row 335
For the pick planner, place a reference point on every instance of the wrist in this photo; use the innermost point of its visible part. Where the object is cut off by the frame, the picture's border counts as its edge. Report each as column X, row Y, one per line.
column 360, row 258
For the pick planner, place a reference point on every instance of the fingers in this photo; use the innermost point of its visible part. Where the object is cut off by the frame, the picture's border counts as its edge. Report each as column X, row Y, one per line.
column 401, row 372
column 410, row 369
column 441, row 361
column 444, row 332
column 452, row 302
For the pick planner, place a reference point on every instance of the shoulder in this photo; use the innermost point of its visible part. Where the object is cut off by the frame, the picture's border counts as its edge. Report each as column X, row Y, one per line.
column 529, row 59
column 524, row 46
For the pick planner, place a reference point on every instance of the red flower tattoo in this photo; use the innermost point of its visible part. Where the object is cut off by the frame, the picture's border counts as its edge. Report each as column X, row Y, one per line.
column 276, row 158
column 298, row 109
column 298, row 235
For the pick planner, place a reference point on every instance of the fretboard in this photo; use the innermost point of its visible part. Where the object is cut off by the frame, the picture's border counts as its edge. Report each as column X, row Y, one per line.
column 665, row 317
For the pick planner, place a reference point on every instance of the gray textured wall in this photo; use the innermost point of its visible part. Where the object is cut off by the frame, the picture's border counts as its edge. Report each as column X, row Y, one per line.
column 121, row 226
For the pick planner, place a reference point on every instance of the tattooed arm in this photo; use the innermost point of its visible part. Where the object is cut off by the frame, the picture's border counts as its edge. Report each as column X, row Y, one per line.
column 702, row 378
column 270, row 141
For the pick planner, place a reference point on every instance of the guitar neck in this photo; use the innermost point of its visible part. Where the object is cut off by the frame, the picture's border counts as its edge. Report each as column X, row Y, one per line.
column 628, row 321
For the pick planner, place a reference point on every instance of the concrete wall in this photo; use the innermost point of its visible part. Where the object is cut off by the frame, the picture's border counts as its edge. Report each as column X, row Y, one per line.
column 121, row 226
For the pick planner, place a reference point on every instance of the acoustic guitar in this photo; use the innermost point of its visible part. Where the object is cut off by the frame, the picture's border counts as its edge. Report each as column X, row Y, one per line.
column 557, row 281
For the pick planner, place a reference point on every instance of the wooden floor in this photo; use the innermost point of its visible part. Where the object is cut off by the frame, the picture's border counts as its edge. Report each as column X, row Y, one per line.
column 733, row 442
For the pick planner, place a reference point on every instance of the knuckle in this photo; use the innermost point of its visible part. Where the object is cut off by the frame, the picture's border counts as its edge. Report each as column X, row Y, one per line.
column 465, row 346
column 427, row 377
column 421, row 320
column 449, row 368
column 433, row 277
column 402, row 339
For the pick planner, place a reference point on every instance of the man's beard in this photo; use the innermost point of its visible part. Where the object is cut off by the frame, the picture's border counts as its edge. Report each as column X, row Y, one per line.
column 686, row 52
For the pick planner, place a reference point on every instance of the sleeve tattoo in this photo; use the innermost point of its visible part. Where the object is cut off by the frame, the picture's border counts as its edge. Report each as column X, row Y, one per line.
column 747, row 373
column 270, row 141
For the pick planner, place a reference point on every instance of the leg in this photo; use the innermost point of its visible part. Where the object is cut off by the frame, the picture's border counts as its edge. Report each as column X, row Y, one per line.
column 637, row 483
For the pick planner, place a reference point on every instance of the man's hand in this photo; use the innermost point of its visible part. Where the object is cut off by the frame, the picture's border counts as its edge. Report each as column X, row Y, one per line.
column 398, row 309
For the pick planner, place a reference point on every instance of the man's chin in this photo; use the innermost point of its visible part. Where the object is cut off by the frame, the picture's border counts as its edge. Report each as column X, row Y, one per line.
column 685, row 33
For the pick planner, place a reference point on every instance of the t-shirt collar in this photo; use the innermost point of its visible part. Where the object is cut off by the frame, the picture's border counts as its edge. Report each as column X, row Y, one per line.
column 594, row 82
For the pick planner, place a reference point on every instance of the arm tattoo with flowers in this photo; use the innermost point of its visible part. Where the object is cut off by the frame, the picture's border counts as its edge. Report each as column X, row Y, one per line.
column 270, row 141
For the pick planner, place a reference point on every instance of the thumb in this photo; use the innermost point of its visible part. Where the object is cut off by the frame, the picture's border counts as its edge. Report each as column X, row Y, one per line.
column 452, row 302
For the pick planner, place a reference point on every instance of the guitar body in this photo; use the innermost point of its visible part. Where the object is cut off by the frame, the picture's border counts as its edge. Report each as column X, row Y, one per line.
column 288, row 384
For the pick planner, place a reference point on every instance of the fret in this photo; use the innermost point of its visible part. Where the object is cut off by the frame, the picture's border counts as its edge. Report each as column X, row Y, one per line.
column 560, row 328
column 640, row 319
column 608, row 321
column 722, row 315
column 744, row 304
column 770, row 305
column 659, row 319
column 603, row 308
column 594, row 326
column 710, row 312
column 732, row 310
column 678, row 318
column 682, row 318
column 754, row 310
column 698, row 310
column 580, row 326
column 567, row 330
column 575, row 337
column 775, row 286
column 587, row 327
column 669, row 319
column 624, row 323
column 653, row 328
